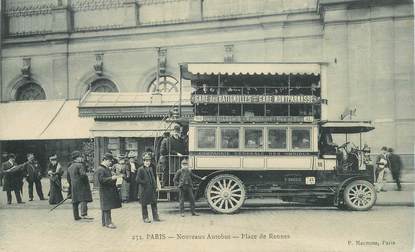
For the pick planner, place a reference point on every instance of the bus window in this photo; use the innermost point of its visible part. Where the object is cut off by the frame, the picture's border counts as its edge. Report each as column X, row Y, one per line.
column 230, row 110
column 253, row 109
column 253, row 138
column 230, row 138
column 206, row 138
column 276, row 110
column 301, row 138
column 207, row 109
column 277, row 138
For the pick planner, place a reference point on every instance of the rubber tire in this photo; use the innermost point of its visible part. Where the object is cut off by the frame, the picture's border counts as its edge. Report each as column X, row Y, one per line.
column 347, row 201
column 221, row 177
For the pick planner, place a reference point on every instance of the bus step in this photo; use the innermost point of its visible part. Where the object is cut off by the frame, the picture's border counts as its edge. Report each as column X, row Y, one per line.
column 288, row 193
column 166, row 193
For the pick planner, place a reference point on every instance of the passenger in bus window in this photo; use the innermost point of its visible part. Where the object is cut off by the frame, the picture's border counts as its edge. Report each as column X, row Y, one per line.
column 206, row 90
column 206, row 138
column 277, row 139
column 253, row 138
column 301, row 139
column 230, row 139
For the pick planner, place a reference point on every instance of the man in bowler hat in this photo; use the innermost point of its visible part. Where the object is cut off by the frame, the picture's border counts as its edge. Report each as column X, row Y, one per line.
column 79, row 183
column 147, row 188
column 108, row 194
column 34, row 176
column 12, row 178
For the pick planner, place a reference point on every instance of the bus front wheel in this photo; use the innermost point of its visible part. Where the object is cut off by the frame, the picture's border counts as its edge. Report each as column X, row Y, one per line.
column 359, row 195
column 225, row 193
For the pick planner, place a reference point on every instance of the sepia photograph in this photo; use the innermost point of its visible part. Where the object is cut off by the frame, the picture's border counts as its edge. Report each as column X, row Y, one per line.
column 207, row 125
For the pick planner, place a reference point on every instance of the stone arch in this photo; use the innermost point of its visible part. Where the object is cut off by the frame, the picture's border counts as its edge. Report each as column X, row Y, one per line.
column 17, row 85
column 90, row 78
column 145, row 84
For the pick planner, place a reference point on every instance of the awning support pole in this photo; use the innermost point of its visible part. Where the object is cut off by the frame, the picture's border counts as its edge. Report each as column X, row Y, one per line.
column 180, row 93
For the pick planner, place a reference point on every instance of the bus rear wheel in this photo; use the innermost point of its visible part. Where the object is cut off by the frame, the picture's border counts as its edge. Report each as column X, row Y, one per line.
column 225, row 194
column 359, row 195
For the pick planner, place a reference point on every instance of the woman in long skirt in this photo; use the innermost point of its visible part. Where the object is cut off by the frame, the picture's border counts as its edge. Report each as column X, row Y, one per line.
column 132, row 168
column 55, row 172
column 122, row 184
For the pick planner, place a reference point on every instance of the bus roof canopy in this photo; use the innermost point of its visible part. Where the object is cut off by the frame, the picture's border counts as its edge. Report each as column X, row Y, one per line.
column 350, row 127
column 191, row 69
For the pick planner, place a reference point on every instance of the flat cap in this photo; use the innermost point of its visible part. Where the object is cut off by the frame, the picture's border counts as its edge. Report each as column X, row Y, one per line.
column 147, row 156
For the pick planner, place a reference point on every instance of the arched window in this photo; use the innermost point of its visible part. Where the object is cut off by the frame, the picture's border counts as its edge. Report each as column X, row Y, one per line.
column 166, row 84
column 103, row 86
column 30, row 91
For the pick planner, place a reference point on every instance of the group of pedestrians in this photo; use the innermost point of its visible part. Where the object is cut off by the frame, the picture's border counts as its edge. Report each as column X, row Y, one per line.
column 13, row 176
column 387, row 162
column 107, row 179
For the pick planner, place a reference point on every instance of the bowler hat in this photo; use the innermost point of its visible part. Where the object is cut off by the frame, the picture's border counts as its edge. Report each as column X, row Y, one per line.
column 75, row 154
column 108, row 156
column 384, row 148
column 185, row 161
column 11, row 155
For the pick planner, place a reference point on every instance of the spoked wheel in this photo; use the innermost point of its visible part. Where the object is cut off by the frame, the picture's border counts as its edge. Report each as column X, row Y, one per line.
column 225, row 193
column 359, row 195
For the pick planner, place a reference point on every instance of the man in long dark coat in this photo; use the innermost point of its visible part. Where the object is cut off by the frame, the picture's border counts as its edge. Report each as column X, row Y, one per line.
column 79, row 183
column 55, row 173
column 131, row 175
column 12, row 178
column 147, row 188
column 396, row 167
column 172, row 149
column 34, row 176
column 108, row 194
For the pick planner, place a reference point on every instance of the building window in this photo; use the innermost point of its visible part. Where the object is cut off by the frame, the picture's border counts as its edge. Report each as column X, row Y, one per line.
column 30, row 91
column 165, row 84
column 103, row 86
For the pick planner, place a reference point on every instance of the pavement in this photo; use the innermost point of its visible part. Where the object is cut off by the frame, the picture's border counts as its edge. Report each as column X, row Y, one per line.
column 391, row 197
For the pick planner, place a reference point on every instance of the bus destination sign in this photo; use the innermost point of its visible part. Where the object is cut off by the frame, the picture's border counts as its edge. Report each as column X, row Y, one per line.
column 255, row 99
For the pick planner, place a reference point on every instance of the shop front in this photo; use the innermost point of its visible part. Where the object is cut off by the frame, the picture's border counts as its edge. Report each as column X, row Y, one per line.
column 43, row 128
column 131, row 123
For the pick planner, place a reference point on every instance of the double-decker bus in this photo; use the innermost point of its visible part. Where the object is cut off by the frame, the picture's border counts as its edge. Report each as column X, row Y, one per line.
column 259, row 130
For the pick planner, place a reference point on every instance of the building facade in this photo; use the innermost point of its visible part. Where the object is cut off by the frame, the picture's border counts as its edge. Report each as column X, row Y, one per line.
column 60, row 49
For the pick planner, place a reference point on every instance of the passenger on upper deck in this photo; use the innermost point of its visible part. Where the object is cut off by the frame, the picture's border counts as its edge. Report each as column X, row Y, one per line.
column 206, row 90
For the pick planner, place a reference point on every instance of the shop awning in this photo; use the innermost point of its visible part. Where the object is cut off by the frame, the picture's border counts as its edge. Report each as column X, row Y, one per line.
column 42, row 120
column 347, row 127
column 130, row 128
column 133, row 105
column 249, row 68
column 68, row 125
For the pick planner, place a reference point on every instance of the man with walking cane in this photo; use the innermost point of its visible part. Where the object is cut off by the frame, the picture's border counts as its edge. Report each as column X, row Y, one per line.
column 80, row 189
